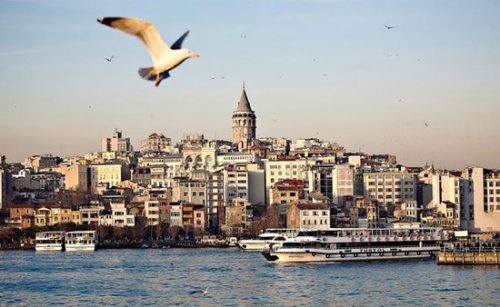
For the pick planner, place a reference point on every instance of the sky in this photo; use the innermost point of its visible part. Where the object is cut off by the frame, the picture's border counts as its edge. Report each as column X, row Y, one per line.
column 427, row 90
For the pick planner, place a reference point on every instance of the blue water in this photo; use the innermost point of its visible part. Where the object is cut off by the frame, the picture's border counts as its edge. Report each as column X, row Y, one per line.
column 234, row 277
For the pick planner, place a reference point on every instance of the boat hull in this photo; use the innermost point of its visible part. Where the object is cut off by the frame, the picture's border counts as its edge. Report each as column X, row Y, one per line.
column 77, row 248
column 338, row 256
column 48, row 247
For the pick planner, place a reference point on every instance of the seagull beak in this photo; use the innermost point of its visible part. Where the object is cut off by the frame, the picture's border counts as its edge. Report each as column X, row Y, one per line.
column 196, row 54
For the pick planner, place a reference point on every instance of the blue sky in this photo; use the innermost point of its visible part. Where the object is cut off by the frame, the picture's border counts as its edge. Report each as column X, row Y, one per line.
column 318, row 68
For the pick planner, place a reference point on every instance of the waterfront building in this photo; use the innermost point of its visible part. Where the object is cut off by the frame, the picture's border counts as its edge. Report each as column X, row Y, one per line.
column 238, row 216
column 176, row 214
column 308, row 216
column 244, row 123
column 90, row 214
column 481, row 200
column 116, row 143
column 142, row 176
column 235, row 182
column 3, row 187
column 119, row 216
column 235, row 158
column 152, row 212
column 215, row 198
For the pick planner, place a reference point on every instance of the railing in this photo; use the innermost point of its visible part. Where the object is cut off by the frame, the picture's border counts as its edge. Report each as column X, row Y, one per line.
column 466, row 249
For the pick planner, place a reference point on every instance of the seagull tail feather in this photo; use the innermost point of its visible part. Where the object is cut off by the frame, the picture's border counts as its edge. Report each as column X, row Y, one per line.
column 147, row 73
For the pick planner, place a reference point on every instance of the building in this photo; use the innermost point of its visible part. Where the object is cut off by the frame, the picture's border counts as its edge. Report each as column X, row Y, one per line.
column 190, row 191
column 481, row 200
column 235, row 182
column 3, row 188
column 156, row 143
column 215, row 199
column 244, row 123
column 119, row 216
column 38, row 162
column 238, row 216
column 389, row 188
column 116, row 143
column 75, row 176
column 286, row 168
column 308, row 216
column 105, row 175
column 176, row 214
column 287, row 191
column 89, row 214
column 342, row 183
column 152, row 212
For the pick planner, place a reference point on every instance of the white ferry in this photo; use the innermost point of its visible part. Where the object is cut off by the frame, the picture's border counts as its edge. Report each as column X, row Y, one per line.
column 348, row 244
column 274, row 236
column 84, row 240
column 49, row 241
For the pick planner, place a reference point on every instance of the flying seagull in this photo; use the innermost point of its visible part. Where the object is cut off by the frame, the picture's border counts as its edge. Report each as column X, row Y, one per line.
column 426, row 124
column 111, row 58
column 164, row 58
column 389, row 27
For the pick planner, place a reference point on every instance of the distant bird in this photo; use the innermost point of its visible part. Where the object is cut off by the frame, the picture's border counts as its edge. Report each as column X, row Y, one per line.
column 223, row 77
column 389, row 27
column 111, row 58
column 324, row 75
column 204, row 293
column 400, row 100
column 274, row 120
column 243, row 36
column 426, row 124
column 314, row 60
column 164, row 58
column 213, row 78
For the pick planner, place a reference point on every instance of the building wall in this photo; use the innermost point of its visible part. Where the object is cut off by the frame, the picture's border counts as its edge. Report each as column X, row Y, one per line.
column 105, row 174
column 342, row 183
column 389, row 187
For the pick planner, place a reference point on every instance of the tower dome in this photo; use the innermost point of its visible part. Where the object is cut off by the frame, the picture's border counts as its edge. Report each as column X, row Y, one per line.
column 244, row 122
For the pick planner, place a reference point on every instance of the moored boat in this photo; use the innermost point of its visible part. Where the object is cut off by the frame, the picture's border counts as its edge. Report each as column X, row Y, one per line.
column 49, row 241
column 83, row 240
column 349, row 244
column 274, row 236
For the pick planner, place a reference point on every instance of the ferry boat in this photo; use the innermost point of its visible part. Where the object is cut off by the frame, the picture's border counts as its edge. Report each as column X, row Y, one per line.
column 49, row 241
column 84, row 240
column 348, row 244
column 274, row 236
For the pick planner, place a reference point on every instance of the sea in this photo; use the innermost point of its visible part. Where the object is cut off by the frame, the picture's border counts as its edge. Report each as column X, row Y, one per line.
column 232, row 277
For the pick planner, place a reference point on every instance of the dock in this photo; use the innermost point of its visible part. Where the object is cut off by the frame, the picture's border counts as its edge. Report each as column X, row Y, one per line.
column 472, row 256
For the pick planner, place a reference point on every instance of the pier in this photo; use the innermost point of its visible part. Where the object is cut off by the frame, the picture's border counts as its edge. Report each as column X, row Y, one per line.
column 474, row 256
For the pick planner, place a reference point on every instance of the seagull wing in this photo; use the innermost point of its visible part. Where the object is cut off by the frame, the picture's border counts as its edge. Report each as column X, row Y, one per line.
column 179, row 41
column 141, row 29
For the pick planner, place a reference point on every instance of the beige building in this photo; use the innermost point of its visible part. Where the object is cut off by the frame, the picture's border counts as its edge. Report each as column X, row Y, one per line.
column 287, row 191
column 342, row 183
column 105, row 175
column 389, row 188
column 238, row 216
column 308, row 216
column 152, row 212
column 244, row 123
column 75, row 176
column 38, row 162
column 190, row 191
column 116, row 143
column 481, row 200
column 156, row 143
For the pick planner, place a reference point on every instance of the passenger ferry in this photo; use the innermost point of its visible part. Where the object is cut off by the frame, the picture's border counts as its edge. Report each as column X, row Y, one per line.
column 84, row 240
column 348, row 244
column 274, row 236
column 49, row 241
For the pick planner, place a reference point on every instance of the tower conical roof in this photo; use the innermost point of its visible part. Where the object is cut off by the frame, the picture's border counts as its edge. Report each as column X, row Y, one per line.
column 244, row 104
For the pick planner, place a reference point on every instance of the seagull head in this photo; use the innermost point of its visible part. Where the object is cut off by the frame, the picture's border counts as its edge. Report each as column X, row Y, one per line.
column 192, row 54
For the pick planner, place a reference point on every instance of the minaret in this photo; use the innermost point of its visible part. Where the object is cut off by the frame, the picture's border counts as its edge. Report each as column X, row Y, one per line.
column 244, row 123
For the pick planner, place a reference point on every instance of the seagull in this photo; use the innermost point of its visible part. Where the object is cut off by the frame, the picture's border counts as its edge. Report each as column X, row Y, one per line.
column 274, row 120
column 204, row 293
column 109, row 60
column 164, row 58
column 389, row 27
column 426, row 124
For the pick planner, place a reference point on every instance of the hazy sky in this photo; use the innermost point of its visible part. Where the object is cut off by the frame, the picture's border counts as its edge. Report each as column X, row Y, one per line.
column 326, row 69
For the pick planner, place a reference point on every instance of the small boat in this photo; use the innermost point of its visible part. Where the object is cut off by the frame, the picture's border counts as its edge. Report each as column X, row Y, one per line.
column 275, row 236
column 84, row 240
column 49, row 241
